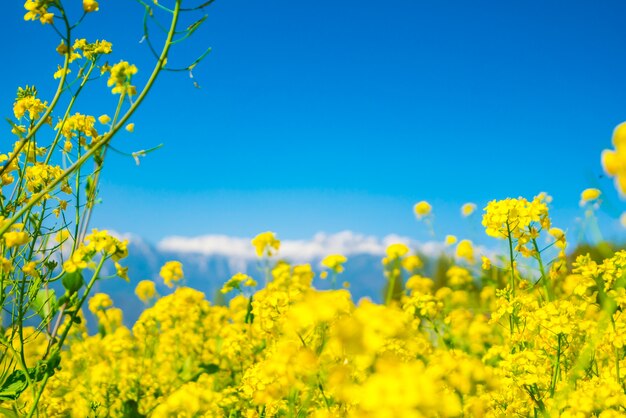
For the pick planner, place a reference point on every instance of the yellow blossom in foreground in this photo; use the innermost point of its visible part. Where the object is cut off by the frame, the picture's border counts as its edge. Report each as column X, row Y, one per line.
column 15, row 238
column 104, row 119
column 266, row 243
column 422, row 209
column 171, row 272
column 130, row 127
column 589, row 195
column 334, row 262
column 145, row 290
column 467, row 209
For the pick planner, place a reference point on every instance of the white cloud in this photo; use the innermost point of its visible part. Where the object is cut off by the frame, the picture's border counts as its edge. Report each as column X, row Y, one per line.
column 346, row 242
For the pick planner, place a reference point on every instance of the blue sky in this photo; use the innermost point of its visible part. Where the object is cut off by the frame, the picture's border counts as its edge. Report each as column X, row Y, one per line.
column 332, row 115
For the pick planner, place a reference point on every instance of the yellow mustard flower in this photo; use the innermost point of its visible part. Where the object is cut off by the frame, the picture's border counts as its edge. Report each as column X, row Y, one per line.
column 38, row 9
column 266, row 243
column 450, row 240
column 90, row 6
column 589, row 195
column 99, row 301
column 171, row 272
column 120, row 77
column 486, row 263
column 145, row 290
column 465, row 250
column 395, row 251
column 422, row 209
column 467, row 209
column 334, row 262
column 614, row 161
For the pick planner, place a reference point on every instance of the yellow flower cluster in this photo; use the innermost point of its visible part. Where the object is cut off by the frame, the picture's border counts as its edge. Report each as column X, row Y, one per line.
column 172, row 272
column 38, row 9
column 98, row 242
column 266, row 243
column 31, row 104
column 467, row 346
column 237, row 281
column 91, row 51
column 78, row 124
column 120, row 76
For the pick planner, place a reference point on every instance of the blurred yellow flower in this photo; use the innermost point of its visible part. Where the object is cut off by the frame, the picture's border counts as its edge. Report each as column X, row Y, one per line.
column 450, row 240
column 395, row 251
column 334, row 262
column 130, row 127
column 266, row 243
column 99, row 301
column 467, row 209
column 465, row 250
column 145, row 290
column 486, row 263
column 614, row 161
column 171, row 272
column 422, row 209
column 589, row 195
column 104, row 119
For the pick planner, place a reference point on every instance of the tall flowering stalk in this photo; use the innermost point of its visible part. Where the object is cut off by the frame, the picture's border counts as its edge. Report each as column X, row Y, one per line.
column 49, row 261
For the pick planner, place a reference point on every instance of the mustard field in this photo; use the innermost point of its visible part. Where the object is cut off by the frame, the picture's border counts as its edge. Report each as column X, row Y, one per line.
column 529, row 332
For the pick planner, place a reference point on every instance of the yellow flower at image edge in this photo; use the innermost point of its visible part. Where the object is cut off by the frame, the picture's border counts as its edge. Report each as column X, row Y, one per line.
column 614, row 161
column 265, row 242
column 38, row 10
column 171, row 272
column 422, row 209
column 90, row 6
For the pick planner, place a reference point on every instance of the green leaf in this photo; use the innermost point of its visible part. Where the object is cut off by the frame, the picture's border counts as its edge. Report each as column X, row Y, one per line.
column 13, row 387
column 130, row 409
column 45, row 303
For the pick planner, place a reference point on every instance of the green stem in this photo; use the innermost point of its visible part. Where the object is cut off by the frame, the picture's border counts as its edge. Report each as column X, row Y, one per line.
column 542, row 270
column 557, row 365
column 65, row 333
column 508, row 228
